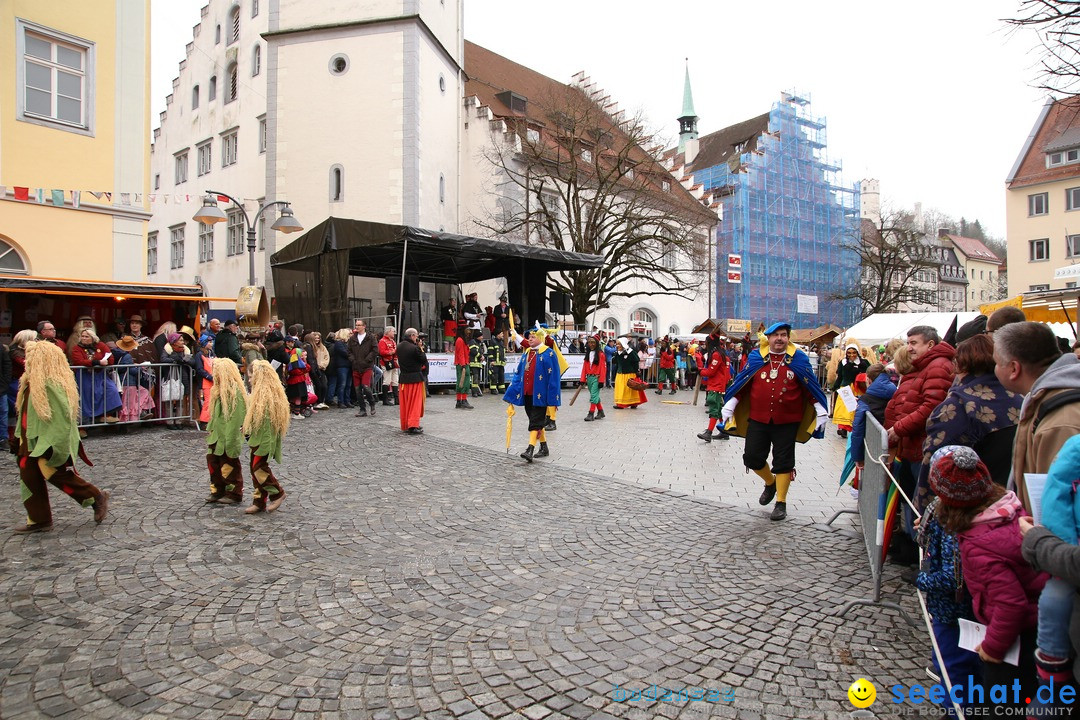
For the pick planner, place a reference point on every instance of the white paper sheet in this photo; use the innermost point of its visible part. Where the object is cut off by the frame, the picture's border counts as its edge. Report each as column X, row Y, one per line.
column 1035, row 484
column 972, row 633
column 275, row 364
column 848, row 397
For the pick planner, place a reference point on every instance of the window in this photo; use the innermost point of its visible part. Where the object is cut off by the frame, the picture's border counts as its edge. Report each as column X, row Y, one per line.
column 1037, row 288
column 643, row 321
column 55, row 76
column 157, row 181
column 233, row 83
column 673, row 330
column 1038, row 250
column 217, row 34
column 666, row 186
column 206, row 242
column 532, row 135
column 337, row 183
column 256, row 60
column 262, row 226
column 254, row 8
column 1072, row 198
column 176, row 247
column 586, row 155
column 982, row 275
column 229, row 146
column 205, row 151
column 262, row 134
column 442, row 84
column 1066, row 157
column 1038, row 204
column 151, row 254
column 195, row 98
column 181, row 167
column 442, row 188
column 669, row 256
column 212, row 92
column 234, row 25
column 235, row 238
column 611, row 326
column 1072, row 246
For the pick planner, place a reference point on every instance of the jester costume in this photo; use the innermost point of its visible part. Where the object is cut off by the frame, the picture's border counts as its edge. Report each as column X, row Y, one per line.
column 775, row 401
column 461, row 367
column 265, row 423
column 48, row 438
column 224, row 434
column 536, row 386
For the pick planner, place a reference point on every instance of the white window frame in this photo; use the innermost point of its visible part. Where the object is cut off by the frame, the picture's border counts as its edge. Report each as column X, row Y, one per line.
column 256, row 60
column 206, row 243
column 232, row 83
column 176, row 247
column 233, row 30
column 1038, row 288
column 1072, row 198
column 180, row 170
column 1043, row 243
column 1072, row 246
column 532, row 135
column 611, row 326
column 151, row 253
column 262, row 134
column 205, row 157
column 234, row 243
column 88, row 50
column 229, row 147
column 1033, row 204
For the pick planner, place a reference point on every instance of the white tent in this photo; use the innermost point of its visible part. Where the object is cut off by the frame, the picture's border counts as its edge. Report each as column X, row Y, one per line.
column 880, row 328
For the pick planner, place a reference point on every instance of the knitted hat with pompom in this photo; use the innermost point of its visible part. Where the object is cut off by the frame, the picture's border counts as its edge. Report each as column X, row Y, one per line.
column 959, row 477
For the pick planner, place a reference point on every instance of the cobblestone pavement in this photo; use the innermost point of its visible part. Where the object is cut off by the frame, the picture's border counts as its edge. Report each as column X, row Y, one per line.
column 420, row 576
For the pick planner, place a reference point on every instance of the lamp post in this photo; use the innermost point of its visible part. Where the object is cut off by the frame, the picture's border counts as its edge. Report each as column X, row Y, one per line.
column 211, row 214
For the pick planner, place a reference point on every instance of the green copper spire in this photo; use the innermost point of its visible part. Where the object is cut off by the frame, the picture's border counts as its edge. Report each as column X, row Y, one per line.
column 688, row 119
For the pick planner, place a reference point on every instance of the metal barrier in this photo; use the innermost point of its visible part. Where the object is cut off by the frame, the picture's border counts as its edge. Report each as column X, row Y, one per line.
column 130, row 394
column 874, row 483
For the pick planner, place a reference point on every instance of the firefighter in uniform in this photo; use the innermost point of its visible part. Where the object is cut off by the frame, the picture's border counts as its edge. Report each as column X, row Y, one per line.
column 496, row 358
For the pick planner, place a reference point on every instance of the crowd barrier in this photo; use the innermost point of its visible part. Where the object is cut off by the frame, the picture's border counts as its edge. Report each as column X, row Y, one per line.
column 129, row 394
column 875, row 481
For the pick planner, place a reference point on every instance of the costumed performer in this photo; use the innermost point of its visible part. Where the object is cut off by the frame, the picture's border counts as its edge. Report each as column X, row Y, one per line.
column 462, row 368
column 224, row 433
column 776, row 401
column 594, row 374
column 265, row 423
column 714, row 377
column 48, row 438
column 413, row 361
column 553, row 410
column 536, row 387
column 847, row 369
column 626, row 368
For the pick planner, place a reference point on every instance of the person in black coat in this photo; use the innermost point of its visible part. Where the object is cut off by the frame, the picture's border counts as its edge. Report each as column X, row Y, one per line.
column 413, row 362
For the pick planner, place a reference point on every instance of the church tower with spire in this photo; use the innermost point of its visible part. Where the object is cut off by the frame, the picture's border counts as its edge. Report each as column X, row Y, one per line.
column 688, row 119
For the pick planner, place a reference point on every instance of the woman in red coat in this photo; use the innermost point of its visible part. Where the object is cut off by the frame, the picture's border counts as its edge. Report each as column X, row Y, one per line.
column 98, row 395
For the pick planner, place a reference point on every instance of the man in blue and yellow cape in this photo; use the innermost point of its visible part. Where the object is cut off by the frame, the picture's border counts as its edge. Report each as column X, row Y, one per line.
column 536, row 386
column 775, row 401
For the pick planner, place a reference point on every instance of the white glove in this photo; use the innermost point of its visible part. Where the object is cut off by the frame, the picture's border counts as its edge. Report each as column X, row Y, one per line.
column 822, row 416
column 728, row 410
column 145, row 363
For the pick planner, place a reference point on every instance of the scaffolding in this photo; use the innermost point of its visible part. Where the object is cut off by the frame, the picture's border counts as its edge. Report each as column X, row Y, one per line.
column 788, row 214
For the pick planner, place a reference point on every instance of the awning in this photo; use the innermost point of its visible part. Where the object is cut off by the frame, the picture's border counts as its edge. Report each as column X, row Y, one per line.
column 1048, row 306
column 104, row 289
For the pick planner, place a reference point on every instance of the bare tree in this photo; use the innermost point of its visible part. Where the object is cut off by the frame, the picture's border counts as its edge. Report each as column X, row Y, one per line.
column 575, row 178
column 893, row 255
column 1055, row 22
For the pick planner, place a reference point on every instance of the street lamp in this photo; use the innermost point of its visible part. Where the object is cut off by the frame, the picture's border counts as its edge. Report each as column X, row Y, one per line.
column 211, row 214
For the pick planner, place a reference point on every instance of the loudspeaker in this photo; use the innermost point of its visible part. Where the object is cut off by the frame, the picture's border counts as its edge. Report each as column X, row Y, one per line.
column 412, row 288
column 559, row 303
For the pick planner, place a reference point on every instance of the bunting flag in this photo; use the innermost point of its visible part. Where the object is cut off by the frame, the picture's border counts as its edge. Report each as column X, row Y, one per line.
column 40, row 194
column 97, row 195
column 22, row 193
column 125, row 198
column 58, row 198
column 76, row 198
column 3, row 191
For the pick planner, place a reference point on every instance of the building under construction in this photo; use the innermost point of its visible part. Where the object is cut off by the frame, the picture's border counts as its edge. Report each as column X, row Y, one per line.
column 783, row 245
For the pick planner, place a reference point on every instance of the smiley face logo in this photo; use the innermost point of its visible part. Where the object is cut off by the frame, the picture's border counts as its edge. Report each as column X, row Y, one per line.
column 862, row 693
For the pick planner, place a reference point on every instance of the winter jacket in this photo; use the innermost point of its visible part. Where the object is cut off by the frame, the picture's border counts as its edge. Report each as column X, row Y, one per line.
column 362, row 354
column 973, row 408
column 1004, row 587
column 5, row 370
column 413, row 362
column 874, row 400
column 919, row 393
column 1035, row 449
column 846, row 372
column 717, row 373
column 1049, row 553
column 339, row 356
column 227, row 345
column 1060, row 505
column 947, row 598
column 100, row 356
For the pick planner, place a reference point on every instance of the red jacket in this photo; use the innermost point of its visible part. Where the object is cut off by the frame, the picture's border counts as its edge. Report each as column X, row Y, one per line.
column 79, row 355
column 715, row 376
column 919, row 393
column 599, row 368
column 667, row 358
column 388, row 353
column 461, row 352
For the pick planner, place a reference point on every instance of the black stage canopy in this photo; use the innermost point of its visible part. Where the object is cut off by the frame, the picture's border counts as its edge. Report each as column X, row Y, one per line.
column 311, row 274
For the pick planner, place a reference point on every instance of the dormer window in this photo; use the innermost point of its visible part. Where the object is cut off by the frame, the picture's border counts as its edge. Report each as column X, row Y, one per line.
column 516, row 103
column 1063, row 157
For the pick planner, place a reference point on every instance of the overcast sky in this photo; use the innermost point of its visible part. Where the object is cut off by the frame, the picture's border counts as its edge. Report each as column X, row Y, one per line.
column 934, row 98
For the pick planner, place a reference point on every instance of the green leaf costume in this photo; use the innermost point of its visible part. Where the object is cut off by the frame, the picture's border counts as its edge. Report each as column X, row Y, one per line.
column 224, row 433
column 59, row 434
column 265, row 441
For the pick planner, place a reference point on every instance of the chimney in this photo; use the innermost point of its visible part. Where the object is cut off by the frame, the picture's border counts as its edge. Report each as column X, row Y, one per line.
column 942, row 232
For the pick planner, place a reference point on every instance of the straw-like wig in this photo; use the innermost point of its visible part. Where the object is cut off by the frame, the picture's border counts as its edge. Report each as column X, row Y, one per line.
column 268, row 401
column 46, row 363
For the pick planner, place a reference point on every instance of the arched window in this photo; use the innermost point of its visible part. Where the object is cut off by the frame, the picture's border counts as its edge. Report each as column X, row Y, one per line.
column 442, row 188
column 256, row 60
column 643, row 321
column 337, row 183
column 217, row 34
column 233, row 83
column 673, row 330
column 195, row 97
column 212, row 92
column 10, row 259
column 611, row 326
column 234, row 25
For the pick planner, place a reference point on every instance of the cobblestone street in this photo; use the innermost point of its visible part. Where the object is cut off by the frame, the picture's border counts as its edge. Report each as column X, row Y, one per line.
column 437, row 577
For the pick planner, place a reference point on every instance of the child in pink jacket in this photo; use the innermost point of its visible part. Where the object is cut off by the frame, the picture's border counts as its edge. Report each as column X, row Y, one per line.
column 1004, row 588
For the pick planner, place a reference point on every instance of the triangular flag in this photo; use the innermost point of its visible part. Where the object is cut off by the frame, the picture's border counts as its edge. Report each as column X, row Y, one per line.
column 22, row 193
column 108, row 196
column 76, row 198
column 58, row 198
column 222, row 198
column 138, row 199
column 96, row 195
column 151, row 197
column 3, row 190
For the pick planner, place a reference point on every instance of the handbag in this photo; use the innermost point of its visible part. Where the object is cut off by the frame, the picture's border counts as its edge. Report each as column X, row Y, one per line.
column 172, row 390
column 636, row 384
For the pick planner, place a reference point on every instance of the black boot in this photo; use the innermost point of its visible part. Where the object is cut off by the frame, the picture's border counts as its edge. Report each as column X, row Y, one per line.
column 660, row 390
column 543, row 452
column 706, row 436
column 397, row 398
column 386, row 396
column 493, row 391
column 363, row 411
column 476, row 392
column 465, row 405
column 779, row 511
column 550, row 425
column 672, row 391
column 372, row 402
column 457, row 405
column 767, row 495
column 528, row 454
column 600, row 414
column 590, row 417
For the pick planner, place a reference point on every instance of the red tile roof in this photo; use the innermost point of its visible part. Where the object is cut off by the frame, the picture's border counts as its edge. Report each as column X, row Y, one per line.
column 974, row 249
column 1061, row 123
